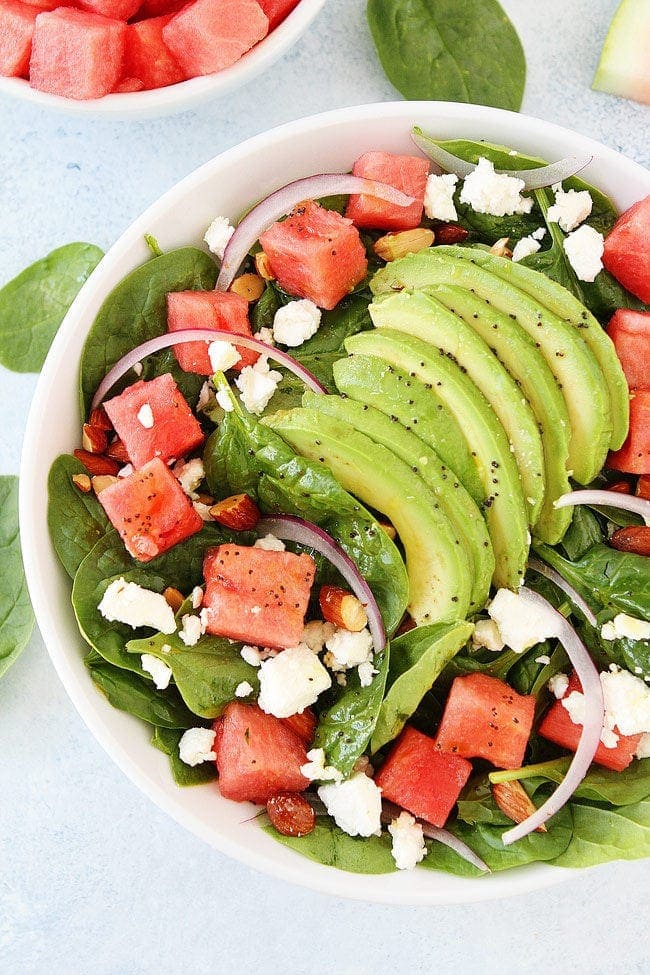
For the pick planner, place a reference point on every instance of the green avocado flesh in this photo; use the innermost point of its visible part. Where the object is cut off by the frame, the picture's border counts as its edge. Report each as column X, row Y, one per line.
column 570, row 359
column 439, row 570
column 420, row 315
column 505, row 506
column 462, row 511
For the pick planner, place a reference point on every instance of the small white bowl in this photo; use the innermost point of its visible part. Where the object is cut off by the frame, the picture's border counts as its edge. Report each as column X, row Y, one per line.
column 226, row 185
column 178, row 98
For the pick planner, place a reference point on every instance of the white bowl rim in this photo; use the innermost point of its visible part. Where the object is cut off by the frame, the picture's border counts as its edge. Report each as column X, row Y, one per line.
column 293, row 868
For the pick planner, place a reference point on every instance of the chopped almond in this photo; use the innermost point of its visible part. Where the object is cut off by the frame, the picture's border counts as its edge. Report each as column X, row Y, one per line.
column 99, row 418
column 620, row 487
column 263, row 267
column 238, row 512
column 173, row 598
column 93, row 439
column 101, row 481
column 96, row 464
column 501, row 248
column 643, row 487
column 390, row 247
column 248, row 286
column 342, row 608
column 388, row 528
column 82, row 482
column 117, row 451
column 513, row 800
column 634, row 538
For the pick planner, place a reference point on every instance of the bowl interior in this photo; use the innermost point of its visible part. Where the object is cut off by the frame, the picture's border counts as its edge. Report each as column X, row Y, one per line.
column 226, row 185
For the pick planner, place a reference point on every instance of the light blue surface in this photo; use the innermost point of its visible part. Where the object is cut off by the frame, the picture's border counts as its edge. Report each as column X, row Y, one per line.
column 93, row 878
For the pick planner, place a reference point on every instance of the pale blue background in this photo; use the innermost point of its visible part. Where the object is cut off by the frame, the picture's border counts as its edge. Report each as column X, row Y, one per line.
column 93, row 878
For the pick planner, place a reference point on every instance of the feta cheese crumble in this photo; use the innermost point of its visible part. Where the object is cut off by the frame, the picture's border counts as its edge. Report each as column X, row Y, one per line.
column 347, row 649
column 643, row 748
column 520, row 625
column 408, row 841
column 317, row 771
column 159, row 671
column 127, row 602
column 584, row 248
column 486, row 634
column 570, row 208
column 224, row 400
column 265, row 335
column 558, row 685
column 190, row 475
column 366, row 673
column 296, row 322
column 624, row 626
column 196, row 746
column 544, row 660
column 196, row 596
column 244, row 689
column 627, row 705
column 254, row 655
column 495, row 193
column 354, row 805
column 270, row 543
column 439, row 197
column 205, row 397
column 218, row 234
column 257, row 385
column 145, row 416
column 524, row 248
column 316, row 633
column 223, row 355
column 292, row 681
column 192, row 629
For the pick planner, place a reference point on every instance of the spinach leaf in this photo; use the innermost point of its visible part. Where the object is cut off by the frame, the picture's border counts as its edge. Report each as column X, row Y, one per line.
column 33, row 304
column 76, row 521
column 137, row 696
column 599, row 785
column 136, row 310
column 601, row 834
column 450, row 50
column 16, row 616
column 583, row 532
column 345, row 728
column 166, row 740
column 264, row 309
column 329, row 845
column 417, row 659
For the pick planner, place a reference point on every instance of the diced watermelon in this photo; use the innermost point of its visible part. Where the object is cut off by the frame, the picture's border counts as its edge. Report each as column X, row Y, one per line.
column 210, row 35
column 256, row 595
column 257, row 755
column 76, row 54
column 627, row 250
column 129, row 84
column 485, row 718
column 158, row 8
column 417, row 777
column 277, row 10
column 630, row 332
column 406, row 173
column 43, row 4
column 16, row 30
column 146, row 56
column 207, row 309
column 150, row 510
column 558, row 727
column 634, row 455
column 117, row 9
column 316, row 254
column 175, row 430
column 303, row 725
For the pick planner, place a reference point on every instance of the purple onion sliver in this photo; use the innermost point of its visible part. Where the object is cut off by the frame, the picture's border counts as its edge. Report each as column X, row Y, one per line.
column 545, row 570
column 607, row 499
column 447, row 838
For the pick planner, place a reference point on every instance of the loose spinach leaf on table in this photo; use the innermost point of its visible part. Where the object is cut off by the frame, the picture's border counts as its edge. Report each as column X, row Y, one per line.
column 450, row 50
column 76, row 521
column 33, row 304
column 131, row 693
column 16, row 616
column 167, row 740
column 329, row 845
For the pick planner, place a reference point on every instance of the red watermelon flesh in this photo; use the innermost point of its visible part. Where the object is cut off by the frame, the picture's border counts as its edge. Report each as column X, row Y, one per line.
column 630, row 332
column 157, row 8
column 175, row 431
column 16, row 29
column 43, row 4
column 277, row 10
column 147, row 58
column 257, row 596
column 627, row 250
column 303, row 725
column 150, row 510
column 316, row 253
column 417, row 777
column 76, row 54
column 117, row 9
column 210, row 35
column 207, row 309
column 406, row 173
column 257, row 755
column 634, row 455
column 128, row 85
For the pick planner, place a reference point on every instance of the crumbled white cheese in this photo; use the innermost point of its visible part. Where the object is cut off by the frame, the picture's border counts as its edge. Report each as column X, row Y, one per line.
column 584, row 249
column 137, row 368
column 205, row 396
column 127, row 602
column 439, row 197
column 196, row 596
column 255, row 655
column 366, row 673
column 145, row 416
column 244, row 689
column 317, row 771
column 570, row 208
column 316, row 633
column 643, row 748
column 192, row 629
column 125, row 471
column 296, row 322
column 269, row 543
column 196, row 746
column 257, row 385
column 624, row 626
column 292, row 681
column 486, row 634
column 224, row 400
column 223, row 355
column 524, row 248
column 539, row 234
column 521, row 626
column 341, row 679
column 558, row 685
column 627, row 705
column 159, row 671
column 190, row 475
column 202, row 510
column 354, row 805
column 265, row 335
column 218, row 234
column 408, row 841
column 544, row 660
column 496, row 193
column 347, row 649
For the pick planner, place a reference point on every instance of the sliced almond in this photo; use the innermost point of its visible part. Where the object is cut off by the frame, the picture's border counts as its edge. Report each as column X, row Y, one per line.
column 634, row 538
column 388, row 528
column 99, row 418
column 513, row 800
column 263, row 267
column 96, row 463
column 342, row 608
column 248, row 286
column 643, row 487
column 501, row 248
column 82, row 482
column 101, row 481
column 620, row 487
column 93, row 439
column 238, row 512
column 174, row 598
column 390, row 247
column 205, row 499
column 117, row 451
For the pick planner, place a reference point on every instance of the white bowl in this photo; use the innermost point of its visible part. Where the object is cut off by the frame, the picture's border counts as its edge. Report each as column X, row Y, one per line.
column 226, row 185
column 186, row 94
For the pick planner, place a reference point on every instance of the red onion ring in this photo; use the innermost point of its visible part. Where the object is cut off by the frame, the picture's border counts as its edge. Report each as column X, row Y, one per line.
column 591, row 729
column 390, row 812
column 606, row 499
column 292, row 529
column 208, row 335
column 282, row 202
column 545, row 570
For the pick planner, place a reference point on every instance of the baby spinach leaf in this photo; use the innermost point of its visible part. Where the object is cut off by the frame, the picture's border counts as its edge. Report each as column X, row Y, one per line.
column 583, row 532
column 76, row 521
column 601, row 834
column 33, row 304
column 166, row 740
column 136, row 310
column 450, row 50
column 329, row 845
column 599, row 785
column 16, row 616
column 137, row 696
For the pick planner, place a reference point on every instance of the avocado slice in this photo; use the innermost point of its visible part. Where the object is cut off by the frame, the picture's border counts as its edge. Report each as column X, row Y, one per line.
column 419, row 314
column 505, row 506
column 567, row 307
column 528, row 368
column 439, row 572
column 462, row 511
column 570, row 359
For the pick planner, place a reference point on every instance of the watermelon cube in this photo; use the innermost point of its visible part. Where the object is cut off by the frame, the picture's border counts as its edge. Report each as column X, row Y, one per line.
column 158, row 8
column 630, row 332
column 207, row 309
column 43, row 4
column 485, row 718
column 257, row 755
column 127, row 85
column 256, row 595
column 558, row 727
column 634, row 455
column 627, row 250
column 421, row 779
column 302, row 724
column 16, row 30
column 117, row 9
column 277, row 10
column 316, row 253
column 210, row 35
column 150, row 510
column 76, row 54
column 147, row 58
column 153, row 419
column 406, row 173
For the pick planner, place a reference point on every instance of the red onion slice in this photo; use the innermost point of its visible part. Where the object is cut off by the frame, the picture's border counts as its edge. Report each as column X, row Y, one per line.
column 283, row 201
column 208, row 335
column 292, row 529
column 607, row 499
column 390, row 812
column 594, row 715
column 545, row 570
